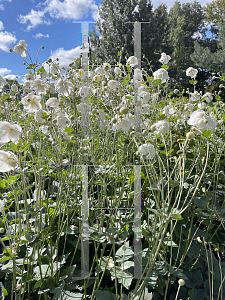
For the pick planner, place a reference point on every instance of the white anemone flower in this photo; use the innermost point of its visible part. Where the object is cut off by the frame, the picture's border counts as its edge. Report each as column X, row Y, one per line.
column 45, row 129
column 9, row 132
column 38, row 118
column 191, row 72
column 14, row 88
column 8, row 161
column 31, row 102
column 53, row 102
column 147, row 150
column 125, row 124
column 85, row 91
column 161, row 126
column 96, row 78
column 21, row 48
column 39, row 86
column 161, row 74
column 132, row 61
column 2, row 82
column 138, row 74
column 208, row 97
column 64, row 87
column 144, row 96
column 113, row 85
column 28, row 77
column 195, row 96
column 201, row 121
column 202, row 105
column 100, row 70
column 62, row 120
column 164, row 58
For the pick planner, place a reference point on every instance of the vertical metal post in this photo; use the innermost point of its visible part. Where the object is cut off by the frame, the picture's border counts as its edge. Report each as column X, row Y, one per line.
column 137, row 223
column 137, row 53
column 85, row 117
column 85, row 226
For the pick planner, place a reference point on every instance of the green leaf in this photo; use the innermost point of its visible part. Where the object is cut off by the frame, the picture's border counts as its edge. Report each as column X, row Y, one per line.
column 222, row 78
column 66, row 295
column 69, row 130
column 150, row 78
column 200, row 202
column 165, row 67
column 194, row 278
column 13, row 146
column 103, row 295
column 31, row 66
column 126, row 80
column 176, row 217
column 218, row 97
column 206, row 133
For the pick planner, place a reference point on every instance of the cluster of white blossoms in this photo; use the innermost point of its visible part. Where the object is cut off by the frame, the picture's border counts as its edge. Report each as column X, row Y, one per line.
column 123, row 119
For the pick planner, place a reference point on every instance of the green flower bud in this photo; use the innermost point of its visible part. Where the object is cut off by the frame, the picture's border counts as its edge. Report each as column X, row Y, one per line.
column 181, row 282
column 124, row 110
column 114, row 120
column 190, row 135
column 145, row 132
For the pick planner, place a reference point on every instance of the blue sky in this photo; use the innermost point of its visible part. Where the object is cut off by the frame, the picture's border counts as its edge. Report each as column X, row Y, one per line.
column 49, row 24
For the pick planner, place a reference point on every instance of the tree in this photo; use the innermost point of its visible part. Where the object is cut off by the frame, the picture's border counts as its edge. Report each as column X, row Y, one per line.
column 184, row 22
column 212, row 61
column 116, row 33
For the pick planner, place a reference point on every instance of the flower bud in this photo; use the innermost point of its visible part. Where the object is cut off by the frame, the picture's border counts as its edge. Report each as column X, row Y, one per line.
column 216, row 249
column 124, row 110
column 94, row 111
column 153, row 127
column 49, row 118
column 221, row 86
column 42, row 47
column 214, row 77
column 145, row 132
column 114, row 120
column 49, row 60
column 199, row 240
column 176, row 91
column 181, row 282
column 10, row 50
column 190, row 135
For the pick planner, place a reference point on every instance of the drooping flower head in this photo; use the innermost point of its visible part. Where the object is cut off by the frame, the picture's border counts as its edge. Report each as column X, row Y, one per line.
column 9, row 132
column 8, row 161
column 201, row 121
column 21, row 48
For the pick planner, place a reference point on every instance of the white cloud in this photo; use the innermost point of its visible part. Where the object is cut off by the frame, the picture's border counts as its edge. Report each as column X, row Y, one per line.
column 2, row 7
column 68, row 10
column 4, row 71
column 40, row 35
column 65, row 56
column 34, row 17
column 12, row 77
column 6, row 39
column 1, row 25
